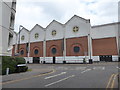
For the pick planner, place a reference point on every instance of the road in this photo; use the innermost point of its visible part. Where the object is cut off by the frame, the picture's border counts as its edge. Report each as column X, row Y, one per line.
column 98, row 75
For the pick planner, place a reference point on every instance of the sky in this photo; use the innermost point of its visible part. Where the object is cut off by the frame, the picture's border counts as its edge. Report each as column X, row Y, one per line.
column 42, row 12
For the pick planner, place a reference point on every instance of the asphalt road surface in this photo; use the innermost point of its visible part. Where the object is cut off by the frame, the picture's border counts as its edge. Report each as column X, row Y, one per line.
column 98, row 75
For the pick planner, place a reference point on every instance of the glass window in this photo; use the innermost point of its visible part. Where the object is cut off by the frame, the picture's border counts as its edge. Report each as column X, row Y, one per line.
column 75, row 29
column 76, row 49
column 23, row 37
column 54, row 32
column 36, row 35
column 21, row 52
column 36, row 51
column 54, row 50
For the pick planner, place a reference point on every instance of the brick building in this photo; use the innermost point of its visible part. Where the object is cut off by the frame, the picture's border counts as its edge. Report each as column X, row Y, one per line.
column 70, row 42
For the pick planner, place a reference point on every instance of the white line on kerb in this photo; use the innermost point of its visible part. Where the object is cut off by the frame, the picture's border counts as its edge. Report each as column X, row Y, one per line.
column 55, row 75
column 86, row 70
column 59, row 81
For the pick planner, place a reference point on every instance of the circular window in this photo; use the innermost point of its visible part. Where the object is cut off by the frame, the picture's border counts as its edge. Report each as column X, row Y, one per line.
column 76, row 49
column 23, row 37
column 54, row 50
column 36, row 35
column 75, row 29
column 21, row 52
column 54, row 32
column 36, row 51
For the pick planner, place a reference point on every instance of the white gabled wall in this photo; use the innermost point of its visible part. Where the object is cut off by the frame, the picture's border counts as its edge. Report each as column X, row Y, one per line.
column 26, row 35
column 40, row 31
column 54, row 25
column 84, row 27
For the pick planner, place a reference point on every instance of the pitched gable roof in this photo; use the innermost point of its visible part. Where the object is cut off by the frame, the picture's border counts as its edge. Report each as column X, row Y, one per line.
column 54, row 21
column 87, row 20
column 38, row 26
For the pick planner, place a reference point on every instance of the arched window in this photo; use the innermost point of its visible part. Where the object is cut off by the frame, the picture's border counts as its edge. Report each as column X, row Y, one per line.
column 23, row 37
column 22, row 52
column 36, row 35
column 75, row 29
column 54, row 32
column 54, row 51
column 76, row 49
column 36, row 51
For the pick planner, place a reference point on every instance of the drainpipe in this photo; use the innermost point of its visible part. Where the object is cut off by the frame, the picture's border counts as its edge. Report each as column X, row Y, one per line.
column 64, row 52
column 29, row 46
column 44, row 46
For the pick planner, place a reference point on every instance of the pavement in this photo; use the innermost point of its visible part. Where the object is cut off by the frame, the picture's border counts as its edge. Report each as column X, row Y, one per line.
column 97, row 75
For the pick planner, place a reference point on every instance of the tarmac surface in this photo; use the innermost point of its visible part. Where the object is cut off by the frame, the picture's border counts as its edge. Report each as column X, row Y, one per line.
column 97, row 75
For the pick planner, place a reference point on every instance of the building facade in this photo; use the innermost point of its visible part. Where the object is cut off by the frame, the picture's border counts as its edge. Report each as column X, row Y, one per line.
column 7, row 18
column 70, row 42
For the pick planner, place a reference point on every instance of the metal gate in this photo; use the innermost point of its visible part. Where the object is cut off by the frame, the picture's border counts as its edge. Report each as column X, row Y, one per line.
column 106, row 58
column 36, row 59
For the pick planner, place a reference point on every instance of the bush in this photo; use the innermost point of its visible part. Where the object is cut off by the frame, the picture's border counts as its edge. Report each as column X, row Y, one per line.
column 20, row 60
column 11, row 63
column 8, row 62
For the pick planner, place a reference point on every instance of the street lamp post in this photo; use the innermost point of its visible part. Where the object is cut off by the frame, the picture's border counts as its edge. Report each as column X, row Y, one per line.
column 19, row 39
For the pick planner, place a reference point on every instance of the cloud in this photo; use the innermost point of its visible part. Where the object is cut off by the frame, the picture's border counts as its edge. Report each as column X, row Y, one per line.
column 42, row 12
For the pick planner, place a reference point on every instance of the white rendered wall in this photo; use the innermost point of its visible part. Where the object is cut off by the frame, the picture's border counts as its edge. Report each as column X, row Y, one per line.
column 54, row 26
column 6, row 13
column 40, row 31
column 28, row 59
column 5, row 17
column 104, row 31
column 115, row 58
column 84, row 27
column 26, row 35
column 14, row 38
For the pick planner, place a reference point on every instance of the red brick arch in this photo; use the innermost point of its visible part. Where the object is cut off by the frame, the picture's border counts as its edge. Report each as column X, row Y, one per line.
column 38, row 55
column 53, row 46
column 36, row 45
column 82, row 42
column 54, row 43
column 79, row 53
column 24, row 55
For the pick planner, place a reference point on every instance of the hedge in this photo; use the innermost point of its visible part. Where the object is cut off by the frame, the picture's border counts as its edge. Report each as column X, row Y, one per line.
column 11, row 63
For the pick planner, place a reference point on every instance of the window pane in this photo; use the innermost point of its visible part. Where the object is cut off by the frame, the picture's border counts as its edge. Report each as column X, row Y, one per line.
column 36, row 51
column 21, row 52
column 54, row 50
column 76, row 49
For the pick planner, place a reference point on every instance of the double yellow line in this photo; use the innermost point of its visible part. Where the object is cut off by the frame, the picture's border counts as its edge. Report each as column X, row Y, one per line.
column 111, row 81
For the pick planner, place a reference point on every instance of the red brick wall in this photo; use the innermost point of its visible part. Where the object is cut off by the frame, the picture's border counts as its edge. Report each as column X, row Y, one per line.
column 54, row 44
column 81, row 42
column 23, row 47
column 36, row 45
column 106, row 46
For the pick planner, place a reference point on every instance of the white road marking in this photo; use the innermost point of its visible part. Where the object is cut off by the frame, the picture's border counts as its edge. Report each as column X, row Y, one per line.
column 80, row 68
column 85, row 70
column 55, row 75
column 99, row 68
column 117, row 67
column 59, row 81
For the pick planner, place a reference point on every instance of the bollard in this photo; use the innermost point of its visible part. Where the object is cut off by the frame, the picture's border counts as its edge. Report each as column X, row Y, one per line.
column 7, row 71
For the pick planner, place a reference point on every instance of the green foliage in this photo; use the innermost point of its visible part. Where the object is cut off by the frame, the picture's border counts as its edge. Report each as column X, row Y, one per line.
column 11, row 63
column 20, row 60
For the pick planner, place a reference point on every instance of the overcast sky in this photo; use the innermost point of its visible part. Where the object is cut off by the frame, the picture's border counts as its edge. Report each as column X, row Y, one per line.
column 42, row 12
